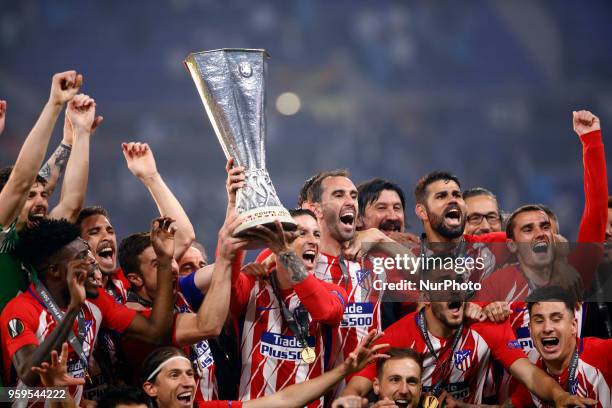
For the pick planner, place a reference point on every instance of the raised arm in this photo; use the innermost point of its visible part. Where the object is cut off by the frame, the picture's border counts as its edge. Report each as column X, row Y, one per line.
column 595, row 215
column 81, row 113
column 235, row 180
column 56, row 164
column 191, row 328
column 141, row 163
column 157, row 328
column 64, row 87
column 30, row 356
column 301, row 394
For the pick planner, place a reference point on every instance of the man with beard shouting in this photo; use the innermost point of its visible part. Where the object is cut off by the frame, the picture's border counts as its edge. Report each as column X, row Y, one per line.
column 456, row 352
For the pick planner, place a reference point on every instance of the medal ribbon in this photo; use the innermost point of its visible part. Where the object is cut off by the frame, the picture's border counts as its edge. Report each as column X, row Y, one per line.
column 436, row 390
column 297, row 321
column 58, row 316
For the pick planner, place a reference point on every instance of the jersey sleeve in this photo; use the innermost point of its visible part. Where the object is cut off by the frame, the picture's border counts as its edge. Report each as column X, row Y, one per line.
column 324, row 301
column 596, row 349
column 501, row 340
column 190, row 291
column 242, row 285
column 19, row 322
column 595, row 213
column 587, row 255
column 115, row 316
column 521, row 398
column 495, row 240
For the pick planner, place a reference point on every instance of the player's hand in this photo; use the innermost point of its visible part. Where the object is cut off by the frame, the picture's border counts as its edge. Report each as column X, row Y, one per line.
column 140, row 160
column 278, row 241
column 81, row 113
column 235, row 180
column 584, row 122
column 385, row 403
column 365, row 353
column 405, row 238
column 228, row 246
column 362, row 243
column 474, row 312
column 55, row 374
column 497, row 312
column 2, row 115
column 78, row 271
column 447, row 401
column 350, row 401
column 162, row 237
column 64, row 86
column 567, row 400
column 68, row 131
column 256, row 270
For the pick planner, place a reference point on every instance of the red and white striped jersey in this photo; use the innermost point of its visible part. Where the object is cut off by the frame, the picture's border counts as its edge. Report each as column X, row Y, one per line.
column 479, row 343
column 201, row 356
column 594, row 375
column 26, row 321
column 361, row 313
column 510, row 285
column 271, row 353
column 199, row 353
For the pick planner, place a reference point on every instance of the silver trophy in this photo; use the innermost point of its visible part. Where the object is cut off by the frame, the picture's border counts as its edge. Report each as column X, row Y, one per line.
column 231, row 85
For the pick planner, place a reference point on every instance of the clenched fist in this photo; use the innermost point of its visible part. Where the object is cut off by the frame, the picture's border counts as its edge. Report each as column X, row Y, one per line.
column 585, row 122
column 64, row 86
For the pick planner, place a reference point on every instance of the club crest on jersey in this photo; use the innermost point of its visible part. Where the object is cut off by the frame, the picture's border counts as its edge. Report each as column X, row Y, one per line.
column 462, row 359
column 15, row 328
column 514, row 345
column 362, row 279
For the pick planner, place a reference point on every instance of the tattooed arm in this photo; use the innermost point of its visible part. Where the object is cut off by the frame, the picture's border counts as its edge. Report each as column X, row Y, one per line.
column 15, row 192
column 55, row 166
column 81, row 113
column 292, row 263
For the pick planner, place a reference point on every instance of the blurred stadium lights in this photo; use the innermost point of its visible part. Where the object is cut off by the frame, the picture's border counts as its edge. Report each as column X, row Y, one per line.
column 288, row 103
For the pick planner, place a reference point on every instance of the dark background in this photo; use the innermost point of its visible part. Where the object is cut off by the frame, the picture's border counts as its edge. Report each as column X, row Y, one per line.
column 395, row 89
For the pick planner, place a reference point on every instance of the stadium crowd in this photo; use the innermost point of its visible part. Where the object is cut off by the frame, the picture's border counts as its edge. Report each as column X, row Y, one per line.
column 149, row 320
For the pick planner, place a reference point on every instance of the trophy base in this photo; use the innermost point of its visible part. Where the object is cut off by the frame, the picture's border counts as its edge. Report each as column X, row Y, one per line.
column 263, row 216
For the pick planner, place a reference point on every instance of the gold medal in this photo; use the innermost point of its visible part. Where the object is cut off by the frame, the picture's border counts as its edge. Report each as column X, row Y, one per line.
column 430, row 402
column 308, row 355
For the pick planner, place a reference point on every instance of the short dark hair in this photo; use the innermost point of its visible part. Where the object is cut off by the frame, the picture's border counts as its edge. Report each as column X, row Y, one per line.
column 515, row 213
column 296, row 212
column 303, row 194
column 420, row 190
column 315, row 192
column 89, row 211
column 369, row 191
column 397, row 353
column 202, row 250
column 155, row 358
column 125, row 395
column 37, row 244
column 5, row 174
column 609, row 201
column 551, row 294
column 129, row 249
